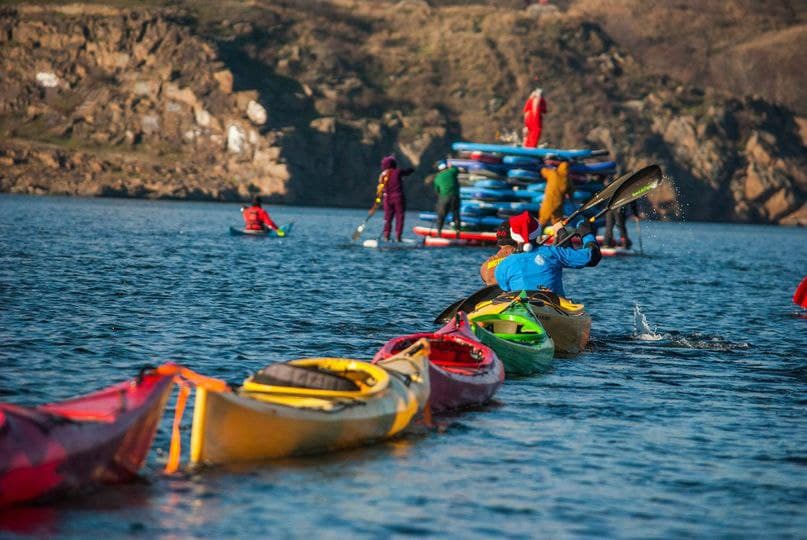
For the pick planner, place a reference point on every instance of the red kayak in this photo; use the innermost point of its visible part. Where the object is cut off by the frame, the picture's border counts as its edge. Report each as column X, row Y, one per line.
column 102, row 437
column 462, row 371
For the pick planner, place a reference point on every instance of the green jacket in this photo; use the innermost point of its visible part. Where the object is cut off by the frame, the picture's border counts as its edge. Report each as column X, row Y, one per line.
column 446, row 183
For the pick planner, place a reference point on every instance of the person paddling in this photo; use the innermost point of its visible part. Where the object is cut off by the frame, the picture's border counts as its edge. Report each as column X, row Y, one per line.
column 256, row 218
column 542, row 266
column 507, row 246
column 390, row 190
column 447, row 186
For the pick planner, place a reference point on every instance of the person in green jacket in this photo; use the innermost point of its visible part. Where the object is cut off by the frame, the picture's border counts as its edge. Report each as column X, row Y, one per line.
column 447, row 187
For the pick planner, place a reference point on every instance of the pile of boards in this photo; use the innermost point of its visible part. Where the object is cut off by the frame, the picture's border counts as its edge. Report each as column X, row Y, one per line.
column 500, row 181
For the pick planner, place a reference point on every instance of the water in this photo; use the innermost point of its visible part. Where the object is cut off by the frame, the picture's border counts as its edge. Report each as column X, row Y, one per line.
column 687, row 417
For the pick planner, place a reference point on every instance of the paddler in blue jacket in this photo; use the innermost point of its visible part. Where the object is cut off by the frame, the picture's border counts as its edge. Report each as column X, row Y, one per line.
column 542, row 267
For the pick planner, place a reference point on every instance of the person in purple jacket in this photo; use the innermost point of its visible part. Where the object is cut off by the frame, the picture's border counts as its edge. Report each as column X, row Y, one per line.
column 390, row 190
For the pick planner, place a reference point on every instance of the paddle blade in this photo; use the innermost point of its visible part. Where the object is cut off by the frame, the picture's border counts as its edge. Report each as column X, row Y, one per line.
column 636, row 186
column 358, row 231
column 800, row 296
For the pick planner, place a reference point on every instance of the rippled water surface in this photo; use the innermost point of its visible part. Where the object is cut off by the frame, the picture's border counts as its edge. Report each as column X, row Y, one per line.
column 687, row 418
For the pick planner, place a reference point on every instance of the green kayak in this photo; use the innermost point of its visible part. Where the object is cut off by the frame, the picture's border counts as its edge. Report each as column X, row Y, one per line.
column 517, row 337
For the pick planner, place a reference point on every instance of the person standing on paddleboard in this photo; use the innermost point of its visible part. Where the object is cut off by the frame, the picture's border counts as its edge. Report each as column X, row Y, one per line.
column 447, row 186
column 534, row 109
column 617, row 217
column 256, row 218
column 542, row 266
column 557, row 188
column 390, row 190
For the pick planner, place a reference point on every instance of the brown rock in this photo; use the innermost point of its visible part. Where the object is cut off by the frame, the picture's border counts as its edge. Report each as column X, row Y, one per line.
column 243, row 98
column 781, row 203
column 183, row 95
column 225, row 80
column 797, row 218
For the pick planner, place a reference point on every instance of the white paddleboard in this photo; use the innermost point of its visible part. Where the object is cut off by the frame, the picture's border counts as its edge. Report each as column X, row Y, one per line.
column 406, row 243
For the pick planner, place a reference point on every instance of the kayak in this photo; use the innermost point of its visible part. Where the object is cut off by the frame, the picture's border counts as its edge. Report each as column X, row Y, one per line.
column 267, row 233
column 68, row 446
column 480, row 236
column 310, row 406
column 515, row 335
column 567, row 323
column 462, row 371
column 528, row 152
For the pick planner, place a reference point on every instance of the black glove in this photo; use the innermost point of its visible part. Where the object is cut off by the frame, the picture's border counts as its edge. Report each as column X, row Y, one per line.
column 562, row 234
column 584, row 228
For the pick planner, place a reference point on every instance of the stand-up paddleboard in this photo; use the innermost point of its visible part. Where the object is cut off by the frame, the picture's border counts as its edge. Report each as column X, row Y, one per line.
column 524, row 174
column 529, row 152
column 522, row 162
column 480, row 236
column 618, row 251
column 265, row 233
column 406, row 243
column 465, row 220
column 430, row 241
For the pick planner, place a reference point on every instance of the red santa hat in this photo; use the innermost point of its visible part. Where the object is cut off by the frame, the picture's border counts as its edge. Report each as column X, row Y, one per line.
column 523, row 229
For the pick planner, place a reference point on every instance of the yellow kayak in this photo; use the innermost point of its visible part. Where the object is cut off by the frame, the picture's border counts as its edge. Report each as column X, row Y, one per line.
column 309, row 406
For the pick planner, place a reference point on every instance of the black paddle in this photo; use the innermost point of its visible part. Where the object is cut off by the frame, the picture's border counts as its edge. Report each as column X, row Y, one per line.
column 632, row 188
column 600, row 197
column 485, row 293
column 360, row 228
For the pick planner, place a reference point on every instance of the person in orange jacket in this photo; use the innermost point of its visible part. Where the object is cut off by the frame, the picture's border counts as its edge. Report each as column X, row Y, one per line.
column 534, row 109
column 507, row 246
column 256, row 218
column 557, row 188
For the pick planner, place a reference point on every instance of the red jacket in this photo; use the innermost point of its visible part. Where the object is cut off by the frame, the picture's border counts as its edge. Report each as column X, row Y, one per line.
column 255, row 218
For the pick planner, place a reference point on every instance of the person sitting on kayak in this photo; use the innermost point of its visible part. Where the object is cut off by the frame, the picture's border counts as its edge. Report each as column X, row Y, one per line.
column 390, row 190
column 557, row 188
column 447, row 187
column 507, row 246
column 542, row 266
column 256, row 218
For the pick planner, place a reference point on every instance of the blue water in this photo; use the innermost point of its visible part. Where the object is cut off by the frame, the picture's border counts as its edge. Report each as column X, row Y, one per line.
column 688, row 418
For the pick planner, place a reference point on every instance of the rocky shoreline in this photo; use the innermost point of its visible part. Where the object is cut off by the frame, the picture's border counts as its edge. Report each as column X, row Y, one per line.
column 299, row 102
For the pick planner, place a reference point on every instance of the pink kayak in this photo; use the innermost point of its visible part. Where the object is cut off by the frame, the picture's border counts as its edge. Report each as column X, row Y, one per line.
column 462, row 371
column 102, row 437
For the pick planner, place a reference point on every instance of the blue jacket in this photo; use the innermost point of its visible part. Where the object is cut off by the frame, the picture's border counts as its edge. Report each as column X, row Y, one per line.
column 543, row 267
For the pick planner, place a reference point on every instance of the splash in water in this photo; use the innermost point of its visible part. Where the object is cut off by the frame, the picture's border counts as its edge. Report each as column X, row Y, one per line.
column 641, row 328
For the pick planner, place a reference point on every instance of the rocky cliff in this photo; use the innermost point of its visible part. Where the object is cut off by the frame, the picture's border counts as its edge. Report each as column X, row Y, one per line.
column 298, row 100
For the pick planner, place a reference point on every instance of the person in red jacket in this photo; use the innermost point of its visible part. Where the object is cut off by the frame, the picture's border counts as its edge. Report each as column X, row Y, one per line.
column 534, row 109
column 256, row 218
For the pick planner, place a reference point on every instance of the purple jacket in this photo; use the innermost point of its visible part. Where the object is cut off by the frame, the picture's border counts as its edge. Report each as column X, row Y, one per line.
column 394, row 185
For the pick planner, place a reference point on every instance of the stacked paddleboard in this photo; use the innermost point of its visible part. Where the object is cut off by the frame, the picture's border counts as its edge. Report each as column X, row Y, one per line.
column 500, row 181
